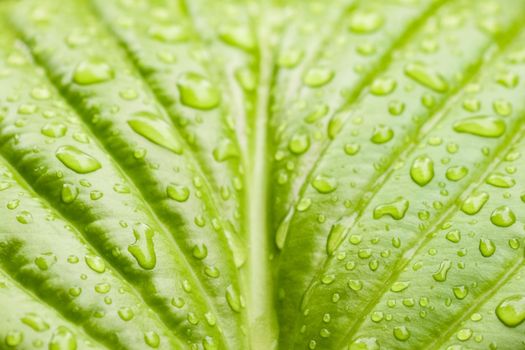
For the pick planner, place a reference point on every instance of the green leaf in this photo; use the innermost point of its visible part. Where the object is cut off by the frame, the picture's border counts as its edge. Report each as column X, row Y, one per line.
column 250, row 174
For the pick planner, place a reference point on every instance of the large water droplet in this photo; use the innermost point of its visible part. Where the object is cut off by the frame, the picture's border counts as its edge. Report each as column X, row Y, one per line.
column 395, row 209
column 233, row 299
column 335, row 237
column 54, row 129
column 317, row 77
column 299, row 143
column 324, row 184
column 155, row 130
column 152, row 339
column 365, row 22
column 92, row 72
column 511, row 311
column 422, row 170
column 503, row 216
column 481, row 126
column 500, row 180
column 441, row 273
column 142, row 249
column 426, row 77
column 178, row 192
column 382, row 134
column 486, row 247
column 76, row 160
column 401, row 333
column 63, row 339
column 474, row 203
column 365, row 344
column 198, row 92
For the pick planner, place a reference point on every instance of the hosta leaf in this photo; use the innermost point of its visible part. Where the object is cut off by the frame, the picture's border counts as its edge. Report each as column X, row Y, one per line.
column 249, row 174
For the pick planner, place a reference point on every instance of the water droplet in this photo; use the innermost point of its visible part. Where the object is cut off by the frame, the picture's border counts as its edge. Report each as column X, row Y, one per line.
column 233, row 299
column 426, row 77
column 481, row 126
column 14, row 338
column 95, row 263
column 152, row 339
column 441, row 274
column 364, row 344
column 503, row 216
column 225, row 150
column 382, row 134
column 355, row 285
column 200, row 251
column 102, row 288
column 126, row 313
column 156, row 130
column 500, row 180
column 453, row 236
column 317, row 77
column 502, row 107
column 142, row 249
column 486, row 247
column 422, row 170
column 460, row 292
column 45, row 261
column 352, row 149
column 299, row 143
column 239, row 36
column 324, row 184
column 395, row 209
column 303, row 204
column 54, row 129
column 464, row 334
column 335, row 238
column 198, row 92
column 63, row 339
column 76, row 160
column 69, row 193
column 92, row 72
column 396, row 108
column 35, row 322
column 209, row 344
column 24, row 217
column 290, row 58
column 168, row 33
column 383, row 86
column 363, row 22
column 508, row 79
column 511, row 311
column 456, row 173
column 474, row 203
column 401, row 333
column 318, row 113
column 399, row 286
column 178, row 192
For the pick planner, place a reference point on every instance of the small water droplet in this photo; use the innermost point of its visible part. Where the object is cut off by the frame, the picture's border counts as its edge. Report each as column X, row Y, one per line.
column 426, row 77
column 92, row 72
column 299, row 143
column 35, row 322
column 143, row 249
column 382, row 134
column 69, row 193
column 324, row 184
column 460, row 292
column 500, row 180
column 317, row 77
column 54, row 129
column 503, row 217
column 95, row 263
column 383, row 86
column 441, row 273
column 399, row 286
column 155, row 130
column 233, row 299
column 422, row 170
column 178, row 192
column 63, row 339
column 474, row 203
column 365, row 22
column 456, row 173
column 152, row 339
column 486, row 247
column 335, row 238
column 198, row 92
column 401, row 333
